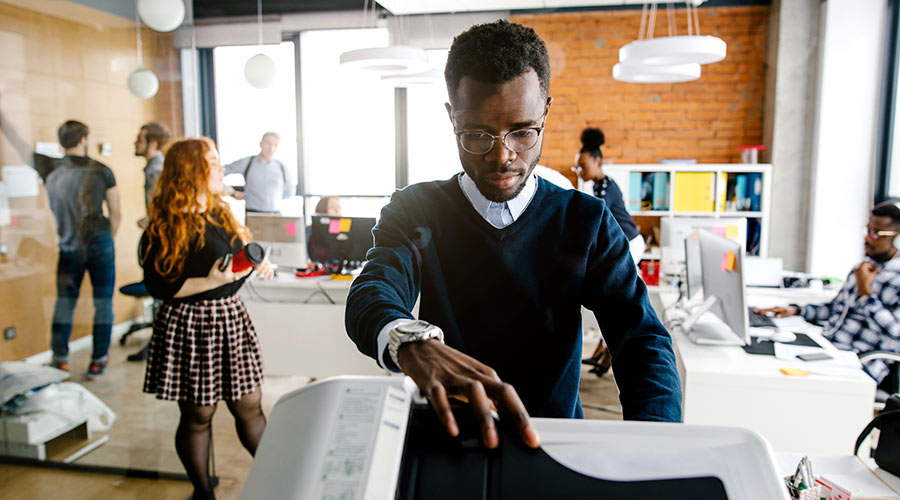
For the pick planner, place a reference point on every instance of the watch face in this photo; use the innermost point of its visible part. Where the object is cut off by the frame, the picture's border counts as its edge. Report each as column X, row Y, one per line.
column 414, row 327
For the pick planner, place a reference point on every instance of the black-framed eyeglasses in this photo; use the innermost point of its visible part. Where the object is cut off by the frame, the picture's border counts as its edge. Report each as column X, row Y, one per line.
column 479, row 142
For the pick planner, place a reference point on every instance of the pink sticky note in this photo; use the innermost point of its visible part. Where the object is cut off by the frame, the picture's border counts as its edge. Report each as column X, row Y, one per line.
column 719, row 231
column 724, row 265
column 334, row 227
column 290, row 228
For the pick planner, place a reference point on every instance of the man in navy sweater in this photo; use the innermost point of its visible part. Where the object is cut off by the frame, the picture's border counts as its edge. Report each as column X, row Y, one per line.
column 503, row 261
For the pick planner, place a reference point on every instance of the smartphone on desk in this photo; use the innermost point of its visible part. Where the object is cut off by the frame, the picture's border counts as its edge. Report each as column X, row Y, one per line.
column 814, row 356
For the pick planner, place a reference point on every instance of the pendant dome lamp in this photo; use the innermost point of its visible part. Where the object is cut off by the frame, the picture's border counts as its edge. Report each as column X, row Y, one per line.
column 161, row 15
column 260, row 70
column 649, row 59
column 142, row 82
column 663, row 73
column 394, row 59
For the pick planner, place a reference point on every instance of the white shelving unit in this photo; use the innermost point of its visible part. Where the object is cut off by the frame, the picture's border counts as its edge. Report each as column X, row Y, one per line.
column 621, row 174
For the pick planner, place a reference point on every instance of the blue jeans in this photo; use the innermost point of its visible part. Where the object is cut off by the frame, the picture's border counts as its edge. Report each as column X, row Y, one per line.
column 98, row 258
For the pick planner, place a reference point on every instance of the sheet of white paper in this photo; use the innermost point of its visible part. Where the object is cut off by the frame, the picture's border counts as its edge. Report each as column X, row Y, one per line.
column 846, row 471
column 843, row 364
column 51, row 149
column 5, row 215
column 20, row 181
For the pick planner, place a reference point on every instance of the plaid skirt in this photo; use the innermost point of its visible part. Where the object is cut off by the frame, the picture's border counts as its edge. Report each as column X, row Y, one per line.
column 203, row 352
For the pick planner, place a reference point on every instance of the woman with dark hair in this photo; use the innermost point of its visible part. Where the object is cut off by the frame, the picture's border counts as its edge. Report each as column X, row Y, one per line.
column 589, row 167
column 204, row 348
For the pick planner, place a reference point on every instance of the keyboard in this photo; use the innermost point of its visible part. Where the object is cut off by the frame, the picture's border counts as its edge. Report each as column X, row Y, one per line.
column 759, row 320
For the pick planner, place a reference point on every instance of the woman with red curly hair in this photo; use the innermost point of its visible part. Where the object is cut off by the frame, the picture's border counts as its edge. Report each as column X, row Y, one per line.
column 204, row 348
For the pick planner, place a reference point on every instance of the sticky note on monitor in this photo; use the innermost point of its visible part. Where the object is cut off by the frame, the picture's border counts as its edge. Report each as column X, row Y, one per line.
column 290, row 228
column 729, row 262
column 345, row 225
column 718, row 231
column 731, row 231
column 334, row 227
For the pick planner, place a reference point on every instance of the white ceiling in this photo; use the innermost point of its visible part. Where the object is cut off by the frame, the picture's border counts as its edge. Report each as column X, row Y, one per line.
column 404, row 7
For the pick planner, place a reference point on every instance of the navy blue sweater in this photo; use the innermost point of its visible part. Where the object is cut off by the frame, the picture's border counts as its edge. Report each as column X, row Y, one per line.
column 511, row 298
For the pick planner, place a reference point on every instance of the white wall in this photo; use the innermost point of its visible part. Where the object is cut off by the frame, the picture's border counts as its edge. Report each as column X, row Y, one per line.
column 844, row 147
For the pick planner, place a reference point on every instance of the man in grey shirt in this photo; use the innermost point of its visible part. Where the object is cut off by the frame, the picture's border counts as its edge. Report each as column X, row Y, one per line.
column 266, row 180
column 78, row 190
column 151, row 140
column 149, row 144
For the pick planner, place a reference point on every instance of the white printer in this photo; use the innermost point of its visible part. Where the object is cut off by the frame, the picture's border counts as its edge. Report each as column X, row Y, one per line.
column 352, row 438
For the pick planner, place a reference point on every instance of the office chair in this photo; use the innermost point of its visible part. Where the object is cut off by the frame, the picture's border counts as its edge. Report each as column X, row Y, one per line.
column 138, row 291
column 891, row 382
column 148, row 312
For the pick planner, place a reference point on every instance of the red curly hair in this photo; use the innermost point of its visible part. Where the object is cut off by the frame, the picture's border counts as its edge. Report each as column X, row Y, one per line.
column 176, row 215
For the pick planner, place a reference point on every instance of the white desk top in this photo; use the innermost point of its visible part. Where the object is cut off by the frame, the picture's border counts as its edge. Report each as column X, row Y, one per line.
column 733, row 362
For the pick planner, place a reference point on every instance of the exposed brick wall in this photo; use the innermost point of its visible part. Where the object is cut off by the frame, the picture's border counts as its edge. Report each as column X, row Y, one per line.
column 707, row 119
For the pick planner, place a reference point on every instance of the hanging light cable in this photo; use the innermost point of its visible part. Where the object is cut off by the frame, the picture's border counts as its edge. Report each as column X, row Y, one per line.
column 260, row 70
column 393, row 59
column 141, row 82
column 685, row 49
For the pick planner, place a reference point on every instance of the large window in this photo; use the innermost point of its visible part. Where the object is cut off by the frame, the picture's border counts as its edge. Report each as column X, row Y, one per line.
column 431, row 143
column 348, row 117
column 244, row 113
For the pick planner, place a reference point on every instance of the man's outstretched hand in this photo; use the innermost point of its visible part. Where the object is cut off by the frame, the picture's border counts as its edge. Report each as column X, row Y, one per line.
column 442, row 372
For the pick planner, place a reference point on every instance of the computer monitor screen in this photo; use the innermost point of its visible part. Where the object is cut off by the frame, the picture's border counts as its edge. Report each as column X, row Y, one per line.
column 285, row 237
column 693, row 278
column 722, row 270
column 673, row 230
column 339, row 239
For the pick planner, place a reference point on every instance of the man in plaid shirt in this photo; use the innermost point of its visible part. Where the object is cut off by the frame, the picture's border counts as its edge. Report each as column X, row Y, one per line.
column 865, row 315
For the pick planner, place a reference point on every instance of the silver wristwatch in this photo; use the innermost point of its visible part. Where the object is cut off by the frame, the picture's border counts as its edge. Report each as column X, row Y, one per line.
column 416, row 331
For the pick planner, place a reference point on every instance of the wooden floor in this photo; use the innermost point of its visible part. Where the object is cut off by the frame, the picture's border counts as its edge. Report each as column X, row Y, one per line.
column 143, row 437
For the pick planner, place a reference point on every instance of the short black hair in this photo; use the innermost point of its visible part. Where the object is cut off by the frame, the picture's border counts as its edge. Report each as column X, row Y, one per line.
column 496, row 53
column 890, row 208
column 591, row 140
column 71, row 133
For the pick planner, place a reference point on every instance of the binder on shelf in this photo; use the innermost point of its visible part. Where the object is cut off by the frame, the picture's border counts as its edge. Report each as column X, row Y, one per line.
column 740, row 192
column 694, row 192
column 754, row 188
column 635, row 183
column 647, row 191
column 661, row 191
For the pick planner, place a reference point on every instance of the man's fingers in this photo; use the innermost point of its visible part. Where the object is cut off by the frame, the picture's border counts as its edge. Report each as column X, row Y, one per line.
column 438, row 397
column 512, row 409
column 481, row 405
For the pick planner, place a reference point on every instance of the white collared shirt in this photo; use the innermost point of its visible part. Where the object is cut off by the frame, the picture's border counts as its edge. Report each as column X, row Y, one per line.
column 509, row 211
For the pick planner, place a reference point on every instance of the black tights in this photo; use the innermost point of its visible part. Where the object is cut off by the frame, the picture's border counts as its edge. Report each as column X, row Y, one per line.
column 193, row 434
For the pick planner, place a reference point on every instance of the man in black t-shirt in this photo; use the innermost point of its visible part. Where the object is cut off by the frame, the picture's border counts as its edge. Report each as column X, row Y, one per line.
column 77, row 190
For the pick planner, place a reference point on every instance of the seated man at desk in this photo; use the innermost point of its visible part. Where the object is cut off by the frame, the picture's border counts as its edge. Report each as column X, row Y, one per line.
column 864, row 315
column 504, row 261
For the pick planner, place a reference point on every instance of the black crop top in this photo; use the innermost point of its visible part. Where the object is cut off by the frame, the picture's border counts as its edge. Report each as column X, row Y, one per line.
column 197, row 265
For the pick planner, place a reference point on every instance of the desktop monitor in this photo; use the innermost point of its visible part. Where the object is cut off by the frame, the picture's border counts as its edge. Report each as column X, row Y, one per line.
column 285, row 236
column 673, row 231
column 340, row 239
column 721, row 261
column 693, row 274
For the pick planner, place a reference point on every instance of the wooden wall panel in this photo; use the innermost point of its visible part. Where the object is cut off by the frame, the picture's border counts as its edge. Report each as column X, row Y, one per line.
column 51, row 70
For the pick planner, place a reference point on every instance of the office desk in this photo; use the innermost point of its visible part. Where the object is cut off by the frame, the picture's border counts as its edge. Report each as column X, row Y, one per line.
column 726, row 386
column 300, row 323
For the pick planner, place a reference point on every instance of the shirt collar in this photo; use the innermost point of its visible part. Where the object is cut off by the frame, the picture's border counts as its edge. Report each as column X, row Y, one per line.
column 481, row 204
column 155, row 160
